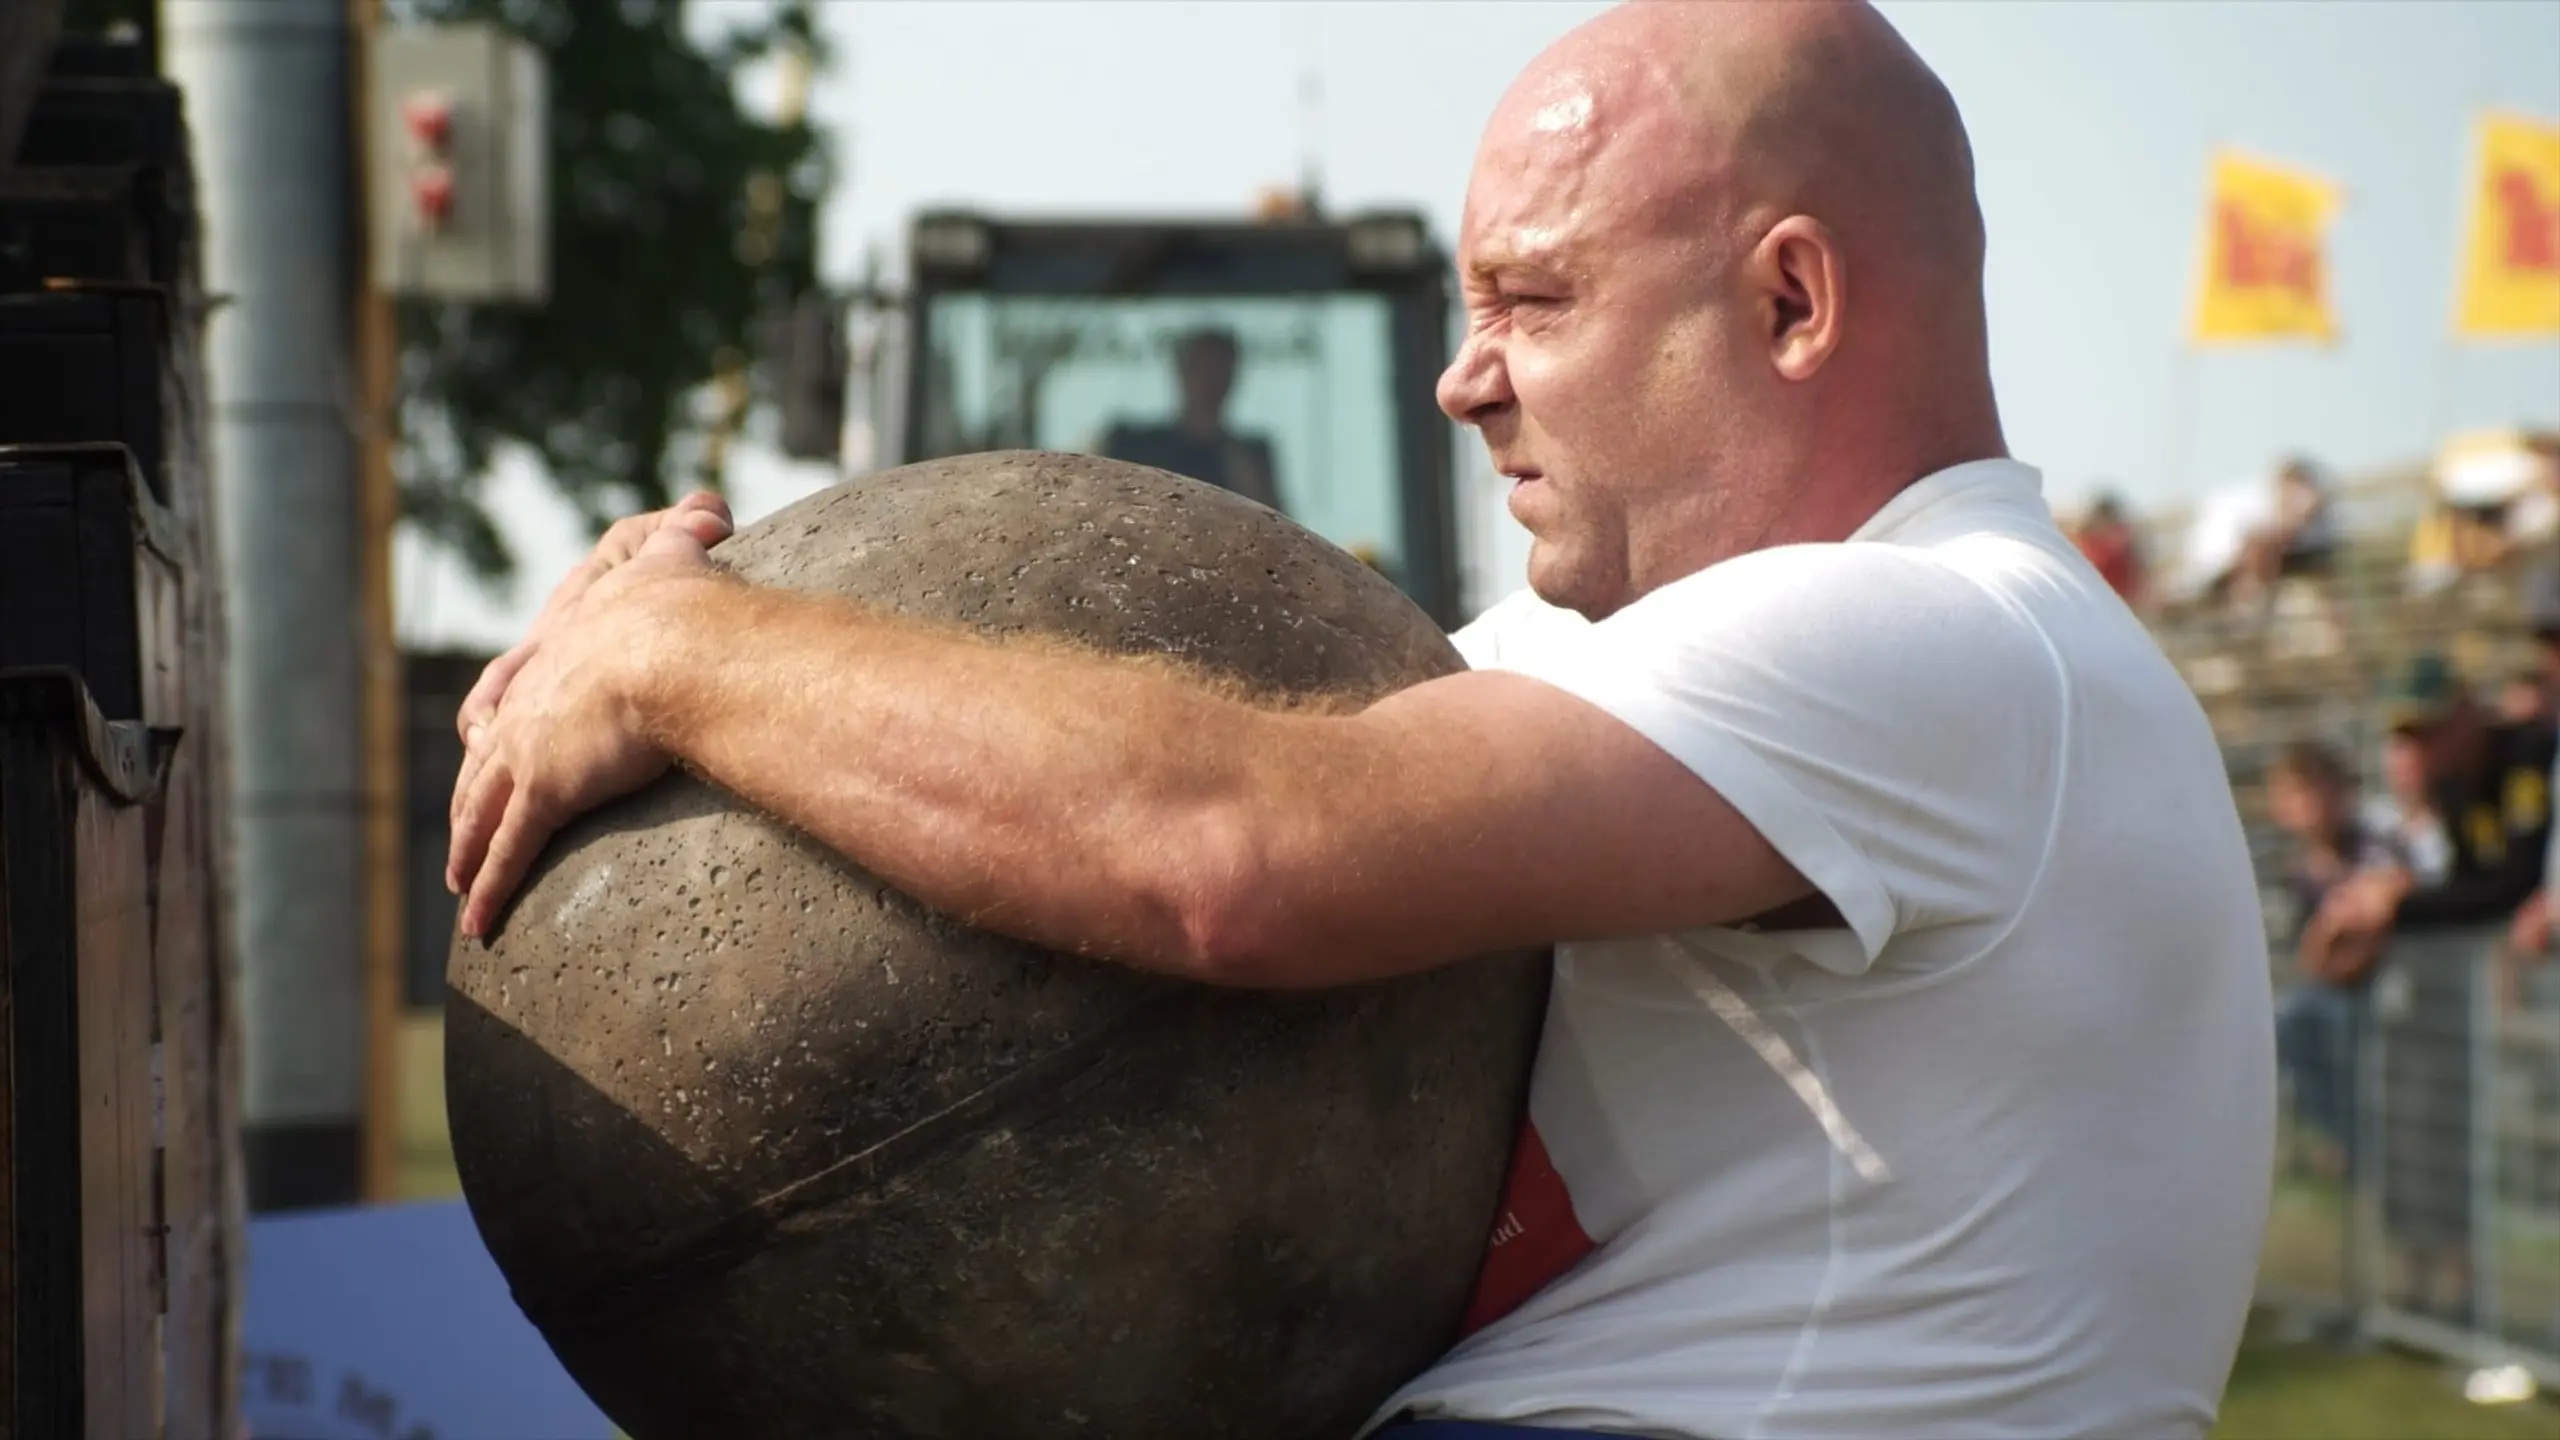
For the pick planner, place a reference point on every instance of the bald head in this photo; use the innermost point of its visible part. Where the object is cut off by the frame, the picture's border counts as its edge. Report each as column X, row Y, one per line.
column 1715, row 120
column 1746, row 236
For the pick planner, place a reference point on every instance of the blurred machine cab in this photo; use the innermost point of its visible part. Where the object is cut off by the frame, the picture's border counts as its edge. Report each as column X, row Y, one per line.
column 1291, row 360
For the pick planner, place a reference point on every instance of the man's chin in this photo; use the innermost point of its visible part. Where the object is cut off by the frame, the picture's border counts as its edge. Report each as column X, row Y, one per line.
column 1554, row 580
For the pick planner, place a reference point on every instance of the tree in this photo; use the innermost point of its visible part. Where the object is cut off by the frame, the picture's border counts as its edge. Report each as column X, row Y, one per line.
column 656, row 285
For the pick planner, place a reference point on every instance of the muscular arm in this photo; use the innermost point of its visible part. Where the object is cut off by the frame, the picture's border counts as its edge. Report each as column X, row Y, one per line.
column 1117, row 807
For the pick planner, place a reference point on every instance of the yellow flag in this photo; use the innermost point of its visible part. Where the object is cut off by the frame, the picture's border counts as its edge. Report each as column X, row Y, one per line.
column 2511, row 261
column 2265, row 272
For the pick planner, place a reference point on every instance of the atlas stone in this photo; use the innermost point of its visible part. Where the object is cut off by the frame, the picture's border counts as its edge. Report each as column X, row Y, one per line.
column 766, row 1148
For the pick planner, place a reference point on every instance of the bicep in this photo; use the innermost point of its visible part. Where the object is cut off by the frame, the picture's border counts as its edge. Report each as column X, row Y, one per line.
column 1488, row 811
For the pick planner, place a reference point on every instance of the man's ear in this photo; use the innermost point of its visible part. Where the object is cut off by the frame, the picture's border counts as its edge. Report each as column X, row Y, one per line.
column 1803, row 287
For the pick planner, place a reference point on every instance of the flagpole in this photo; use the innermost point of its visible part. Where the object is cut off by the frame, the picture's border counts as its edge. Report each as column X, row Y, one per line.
column 2442, row 387
column 2442, row 383
column 2179, row 425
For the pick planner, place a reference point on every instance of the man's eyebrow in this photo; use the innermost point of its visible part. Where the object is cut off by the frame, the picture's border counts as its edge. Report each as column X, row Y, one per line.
column 1542, row 258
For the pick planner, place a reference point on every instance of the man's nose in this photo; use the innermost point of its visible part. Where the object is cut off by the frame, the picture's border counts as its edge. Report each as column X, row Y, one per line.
column 1477, row 384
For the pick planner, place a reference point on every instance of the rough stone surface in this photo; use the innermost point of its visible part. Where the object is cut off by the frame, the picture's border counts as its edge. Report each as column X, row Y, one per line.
column 766, row 1149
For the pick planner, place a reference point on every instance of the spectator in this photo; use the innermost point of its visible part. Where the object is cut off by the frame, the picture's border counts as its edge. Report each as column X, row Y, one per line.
column 2297, row 536
column 2496, row 497
column 2108, row 540
column 2525, row 699
column 2533, row 932
column 2490, row 781
column 2406, row 817
column 2311, row 796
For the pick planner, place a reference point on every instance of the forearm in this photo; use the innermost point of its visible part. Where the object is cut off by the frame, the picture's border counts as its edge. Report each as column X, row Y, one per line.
column 2476, row 898
column 1053, row 795
column 1119, row 807
column 2311, row 949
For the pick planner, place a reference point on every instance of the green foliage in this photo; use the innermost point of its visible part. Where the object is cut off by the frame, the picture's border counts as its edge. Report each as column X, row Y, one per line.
column 652, row 159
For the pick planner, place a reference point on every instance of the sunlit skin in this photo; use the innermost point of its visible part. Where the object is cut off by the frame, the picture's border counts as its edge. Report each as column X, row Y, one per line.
column 1723, row 272
column 1670, row 215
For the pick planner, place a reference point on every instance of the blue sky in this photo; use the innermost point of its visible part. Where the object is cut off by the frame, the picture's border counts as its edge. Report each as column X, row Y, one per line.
column 2092, row 122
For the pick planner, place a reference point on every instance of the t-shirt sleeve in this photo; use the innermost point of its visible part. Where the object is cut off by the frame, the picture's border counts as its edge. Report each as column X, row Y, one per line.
column 1889, row 726
column 1483, row 641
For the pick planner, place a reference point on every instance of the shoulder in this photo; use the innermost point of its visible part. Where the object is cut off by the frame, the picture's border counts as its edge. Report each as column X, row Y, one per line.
column 1874, row 618
column 1873, row 658
column 2534, row 743
column 1874, row 637
column 1508, row 626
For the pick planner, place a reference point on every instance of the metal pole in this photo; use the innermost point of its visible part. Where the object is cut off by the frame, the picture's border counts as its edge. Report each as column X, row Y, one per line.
column 266, row 84
column 2480, row 1021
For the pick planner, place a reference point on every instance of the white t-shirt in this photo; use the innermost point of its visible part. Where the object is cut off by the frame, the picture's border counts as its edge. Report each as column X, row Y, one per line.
column 1993, row 1160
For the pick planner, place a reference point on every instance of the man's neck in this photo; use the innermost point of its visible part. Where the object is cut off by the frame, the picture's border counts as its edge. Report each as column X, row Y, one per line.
column 1940, row 438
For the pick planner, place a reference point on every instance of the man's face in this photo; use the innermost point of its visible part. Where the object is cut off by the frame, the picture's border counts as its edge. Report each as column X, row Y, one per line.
column 1604, row 363
column 2450, row 743
column 1207, row 371
column 2404, row 766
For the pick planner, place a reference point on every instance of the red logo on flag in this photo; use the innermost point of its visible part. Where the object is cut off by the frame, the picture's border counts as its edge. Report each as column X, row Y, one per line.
column 2258, row 256
column 1535, row 1235
column 2532, row 226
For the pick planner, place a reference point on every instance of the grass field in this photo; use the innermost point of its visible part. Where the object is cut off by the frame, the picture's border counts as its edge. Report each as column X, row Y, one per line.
column 2278, row 1391
column 2304, row 1392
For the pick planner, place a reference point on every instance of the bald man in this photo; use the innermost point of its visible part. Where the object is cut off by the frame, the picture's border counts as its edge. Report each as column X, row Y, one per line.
column 1908, row 1070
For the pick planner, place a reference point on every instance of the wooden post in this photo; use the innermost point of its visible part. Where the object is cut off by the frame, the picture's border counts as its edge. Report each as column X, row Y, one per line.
column 377, row 359
column 156, row 1079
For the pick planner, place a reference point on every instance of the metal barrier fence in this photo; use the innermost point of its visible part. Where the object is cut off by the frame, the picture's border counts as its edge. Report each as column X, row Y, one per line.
column 2417, row 1195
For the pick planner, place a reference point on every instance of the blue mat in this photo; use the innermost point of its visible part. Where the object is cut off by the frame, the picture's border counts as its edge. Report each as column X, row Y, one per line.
column 391, row 1322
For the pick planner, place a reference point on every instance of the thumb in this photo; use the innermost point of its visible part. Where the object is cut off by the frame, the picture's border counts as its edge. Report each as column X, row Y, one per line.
column 706, row 528
column 703, row 502
column 677, row 542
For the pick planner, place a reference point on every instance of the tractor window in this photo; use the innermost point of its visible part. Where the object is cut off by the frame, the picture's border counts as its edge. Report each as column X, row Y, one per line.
column 1284, row 399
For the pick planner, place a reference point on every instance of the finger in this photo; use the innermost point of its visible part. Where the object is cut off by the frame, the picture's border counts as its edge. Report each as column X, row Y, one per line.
column 475, row 754
column 477, row 820
column 481, row 705
column 679, row 542
column 574, row 584
column 706, row 529
column 623, row 538
column 706, row 503
column 620, row 541
column 519, row 838
column 703, row 502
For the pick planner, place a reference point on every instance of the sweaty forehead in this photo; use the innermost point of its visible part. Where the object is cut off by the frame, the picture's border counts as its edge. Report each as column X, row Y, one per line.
column 1582, row 153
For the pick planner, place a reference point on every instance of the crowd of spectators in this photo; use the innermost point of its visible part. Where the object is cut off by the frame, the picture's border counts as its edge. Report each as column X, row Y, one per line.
column 2389, row 889
column 2492, row 501
column 2457, row 844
